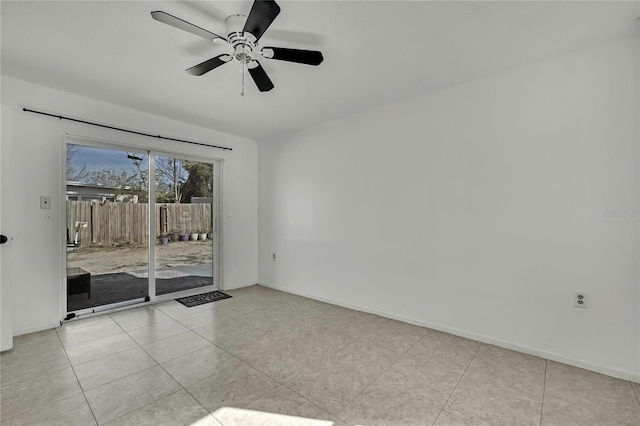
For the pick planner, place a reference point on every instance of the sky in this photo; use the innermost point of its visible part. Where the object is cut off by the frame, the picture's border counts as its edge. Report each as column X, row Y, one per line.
column 97, row 159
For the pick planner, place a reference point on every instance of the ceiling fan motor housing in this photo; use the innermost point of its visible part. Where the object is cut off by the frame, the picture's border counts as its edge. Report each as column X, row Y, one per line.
column 243, row 42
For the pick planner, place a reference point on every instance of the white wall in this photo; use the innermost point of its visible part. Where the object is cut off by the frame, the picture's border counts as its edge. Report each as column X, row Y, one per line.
column 477, row 209
column 37, row 157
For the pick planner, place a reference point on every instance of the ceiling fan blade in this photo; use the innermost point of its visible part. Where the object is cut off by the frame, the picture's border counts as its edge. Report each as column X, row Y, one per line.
column 183, row 25
column 262, row 14
column 308, row 57
column 207, row 66
column 260, row 77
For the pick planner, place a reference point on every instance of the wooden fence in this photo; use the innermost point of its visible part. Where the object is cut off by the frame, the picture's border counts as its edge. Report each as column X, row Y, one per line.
column 118, row 223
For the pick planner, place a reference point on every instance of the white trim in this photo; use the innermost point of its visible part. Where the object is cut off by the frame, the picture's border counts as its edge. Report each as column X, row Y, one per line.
column 613, row 372
column 116, row 305
column 217, row 200
column 236, row 286
column 638, row 182
column 62, row 197
column 99, row 144
column 103, row 144
column 143, row 147
column 217, row 261
column 152, row 226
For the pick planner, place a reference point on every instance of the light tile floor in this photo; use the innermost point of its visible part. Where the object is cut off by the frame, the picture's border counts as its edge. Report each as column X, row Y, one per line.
column 266, row 357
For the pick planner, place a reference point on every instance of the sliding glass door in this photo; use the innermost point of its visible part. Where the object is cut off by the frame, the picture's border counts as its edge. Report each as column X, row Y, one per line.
column 131, row 238
column 186, row 214
column 107, row 220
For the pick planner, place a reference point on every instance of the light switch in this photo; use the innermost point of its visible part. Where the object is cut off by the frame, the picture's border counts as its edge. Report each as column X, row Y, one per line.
column 45, row 201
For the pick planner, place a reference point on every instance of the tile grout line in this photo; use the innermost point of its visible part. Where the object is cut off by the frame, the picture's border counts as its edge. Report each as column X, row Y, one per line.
column 180, row 384
column 163, row 369
column 114, row 380
column 118, row 324
column 229, row 353
column 239, row 359
column 28, row 380
column 457, row 383
column 91, row 340
column 77, row 380
column 376, row 378
column 544, row 389
column 280, row 384
column 100, row 357
column 205, row 378
column 181, row 387
column 308, row 400
column 637, row 394
column 157, row 364
column 108, row 314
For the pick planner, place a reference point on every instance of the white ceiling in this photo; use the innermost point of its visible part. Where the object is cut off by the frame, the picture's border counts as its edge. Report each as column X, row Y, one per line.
column 376, row 52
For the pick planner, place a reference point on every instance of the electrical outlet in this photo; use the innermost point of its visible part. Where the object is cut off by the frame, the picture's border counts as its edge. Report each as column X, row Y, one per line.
column 579, row 299
column 274, row 255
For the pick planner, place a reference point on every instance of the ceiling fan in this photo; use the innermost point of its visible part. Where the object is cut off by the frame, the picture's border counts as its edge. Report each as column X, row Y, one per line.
column 243, row 34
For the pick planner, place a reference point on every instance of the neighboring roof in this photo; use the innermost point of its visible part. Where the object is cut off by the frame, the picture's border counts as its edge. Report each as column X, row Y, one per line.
column 97, row 186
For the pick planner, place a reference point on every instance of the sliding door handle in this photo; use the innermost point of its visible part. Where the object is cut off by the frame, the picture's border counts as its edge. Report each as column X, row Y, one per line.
column 3, row 239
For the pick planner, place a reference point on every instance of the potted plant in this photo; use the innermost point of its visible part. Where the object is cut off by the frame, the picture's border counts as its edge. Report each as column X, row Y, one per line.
column 210, row 235
column 175, row 236
column 184, row 236
column 164, row 239
column 203, row 235
column 194, row 235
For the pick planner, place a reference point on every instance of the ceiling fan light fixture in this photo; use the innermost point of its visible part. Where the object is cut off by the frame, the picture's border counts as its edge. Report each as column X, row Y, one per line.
column 242, row 52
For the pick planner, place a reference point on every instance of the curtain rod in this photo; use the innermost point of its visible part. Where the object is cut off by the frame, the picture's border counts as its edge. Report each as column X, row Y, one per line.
column 61, row 117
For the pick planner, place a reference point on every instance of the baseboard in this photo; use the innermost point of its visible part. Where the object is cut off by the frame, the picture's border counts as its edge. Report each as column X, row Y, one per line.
column 235, row 286
column 620, row 374
column 35, row 329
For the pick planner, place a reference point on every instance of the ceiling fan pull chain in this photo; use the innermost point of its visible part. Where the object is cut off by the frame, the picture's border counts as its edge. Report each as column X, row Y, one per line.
column 243, row 71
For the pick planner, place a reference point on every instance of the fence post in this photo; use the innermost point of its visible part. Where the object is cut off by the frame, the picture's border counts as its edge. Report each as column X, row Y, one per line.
column 163, row 220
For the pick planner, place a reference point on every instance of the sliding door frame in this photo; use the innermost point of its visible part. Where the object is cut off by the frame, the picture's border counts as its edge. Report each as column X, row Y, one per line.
column 217, row 234
column 217, row 255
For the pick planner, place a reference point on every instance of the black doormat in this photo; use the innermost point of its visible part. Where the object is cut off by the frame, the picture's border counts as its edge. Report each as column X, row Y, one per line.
column 201, row 299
